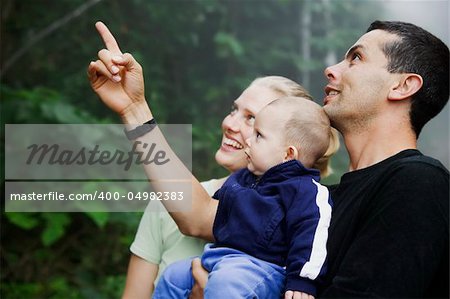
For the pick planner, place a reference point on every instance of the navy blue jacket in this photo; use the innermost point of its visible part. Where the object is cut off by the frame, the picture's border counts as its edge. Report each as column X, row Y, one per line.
column 281, row 217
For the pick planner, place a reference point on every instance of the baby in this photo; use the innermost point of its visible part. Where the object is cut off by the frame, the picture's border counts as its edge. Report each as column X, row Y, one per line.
column 271, row 225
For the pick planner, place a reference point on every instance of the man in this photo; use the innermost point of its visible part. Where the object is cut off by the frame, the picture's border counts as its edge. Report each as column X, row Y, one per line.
column 389, row 233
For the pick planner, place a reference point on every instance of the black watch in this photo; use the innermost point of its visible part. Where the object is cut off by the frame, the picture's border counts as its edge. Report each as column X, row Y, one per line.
column 141, row 130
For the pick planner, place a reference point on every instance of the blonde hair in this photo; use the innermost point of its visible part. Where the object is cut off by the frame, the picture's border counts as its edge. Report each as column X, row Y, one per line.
column 288, row 88
column 323, row 163
column 283, row 86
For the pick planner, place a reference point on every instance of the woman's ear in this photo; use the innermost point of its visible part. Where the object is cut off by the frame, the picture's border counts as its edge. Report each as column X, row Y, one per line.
column 407, row 86
column 291, row 153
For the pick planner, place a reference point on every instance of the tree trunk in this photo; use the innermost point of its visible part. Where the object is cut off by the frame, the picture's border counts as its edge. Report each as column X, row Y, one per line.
column 305, row 43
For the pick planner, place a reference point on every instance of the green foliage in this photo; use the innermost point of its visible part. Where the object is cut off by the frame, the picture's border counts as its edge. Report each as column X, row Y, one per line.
column 55, row 226
column 228, row 45
column 40, row 105
column 99, row 218
column 23, row 220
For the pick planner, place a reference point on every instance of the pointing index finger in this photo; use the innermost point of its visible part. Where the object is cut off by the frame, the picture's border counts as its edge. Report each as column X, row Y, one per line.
column 108, row 38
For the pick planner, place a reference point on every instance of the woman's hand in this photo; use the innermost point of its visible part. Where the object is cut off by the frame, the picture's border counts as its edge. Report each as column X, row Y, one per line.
column 200, row 279
column 117, row 79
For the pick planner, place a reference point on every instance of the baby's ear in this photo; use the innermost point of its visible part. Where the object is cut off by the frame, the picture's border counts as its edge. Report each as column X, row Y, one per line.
column 407, row 86
column 291, row 153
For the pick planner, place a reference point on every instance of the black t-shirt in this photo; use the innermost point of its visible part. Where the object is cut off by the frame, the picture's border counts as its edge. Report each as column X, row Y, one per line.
column 389, row 232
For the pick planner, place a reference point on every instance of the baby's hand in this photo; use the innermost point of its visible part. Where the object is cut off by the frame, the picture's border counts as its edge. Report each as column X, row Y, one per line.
column 297, row 295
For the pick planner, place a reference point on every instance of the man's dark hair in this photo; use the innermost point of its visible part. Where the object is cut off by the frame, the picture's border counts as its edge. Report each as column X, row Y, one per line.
column 418, row 51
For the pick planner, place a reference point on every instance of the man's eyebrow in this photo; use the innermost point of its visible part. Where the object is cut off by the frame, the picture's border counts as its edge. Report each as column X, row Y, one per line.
column 352, row 50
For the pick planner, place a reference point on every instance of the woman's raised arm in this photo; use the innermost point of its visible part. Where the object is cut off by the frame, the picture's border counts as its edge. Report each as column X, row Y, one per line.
column 118, row 80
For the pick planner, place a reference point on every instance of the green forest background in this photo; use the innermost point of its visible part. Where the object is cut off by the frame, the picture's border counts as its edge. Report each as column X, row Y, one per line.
column 198, row 55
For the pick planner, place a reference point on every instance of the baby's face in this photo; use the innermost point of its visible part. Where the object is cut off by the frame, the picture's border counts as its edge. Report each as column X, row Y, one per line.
column 266, row 147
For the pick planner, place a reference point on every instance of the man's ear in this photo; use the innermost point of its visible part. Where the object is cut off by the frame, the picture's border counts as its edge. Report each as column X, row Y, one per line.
column 407, row 86
column 291, row 153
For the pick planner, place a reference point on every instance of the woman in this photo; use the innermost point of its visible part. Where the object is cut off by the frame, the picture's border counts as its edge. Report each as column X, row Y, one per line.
column 117, row 79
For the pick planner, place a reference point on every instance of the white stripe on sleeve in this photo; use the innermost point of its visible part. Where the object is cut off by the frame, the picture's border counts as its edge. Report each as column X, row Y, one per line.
column 312, row 268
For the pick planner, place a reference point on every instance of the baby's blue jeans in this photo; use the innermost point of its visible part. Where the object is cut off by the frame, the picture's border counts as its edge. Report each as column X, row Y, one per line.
column 232, row 274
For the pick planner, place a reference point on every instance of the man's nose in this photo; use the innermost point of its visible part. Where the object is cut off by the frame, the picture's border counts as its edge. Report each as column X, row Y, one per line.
column 332, row 72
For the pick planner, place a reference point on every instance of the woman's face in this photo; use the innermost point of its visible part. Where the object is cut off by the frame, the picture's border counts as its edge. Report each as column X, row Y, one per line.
column 238, row 125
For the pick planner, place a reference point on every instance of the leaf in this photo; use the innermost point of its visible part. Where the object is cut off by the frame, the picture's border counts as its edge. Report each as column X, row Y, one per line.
column 55, row 227
column 23, row 220
column 99, row 218
column 228, row 45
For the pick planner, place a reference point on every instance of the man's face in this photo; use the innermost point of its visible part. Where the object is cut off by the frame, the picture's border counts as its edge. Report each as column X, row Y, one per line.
column 359, row 85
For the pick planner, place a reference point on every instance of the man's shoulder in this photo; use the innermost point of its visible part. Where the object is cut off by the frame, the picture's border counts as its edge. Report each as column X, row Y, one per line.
column 409, row 169
column 420, row 163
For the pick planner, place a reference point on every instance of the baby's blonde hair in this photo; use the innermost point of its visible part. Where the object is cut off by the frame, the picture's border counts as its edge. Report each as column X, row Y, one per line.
column 287, row 88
